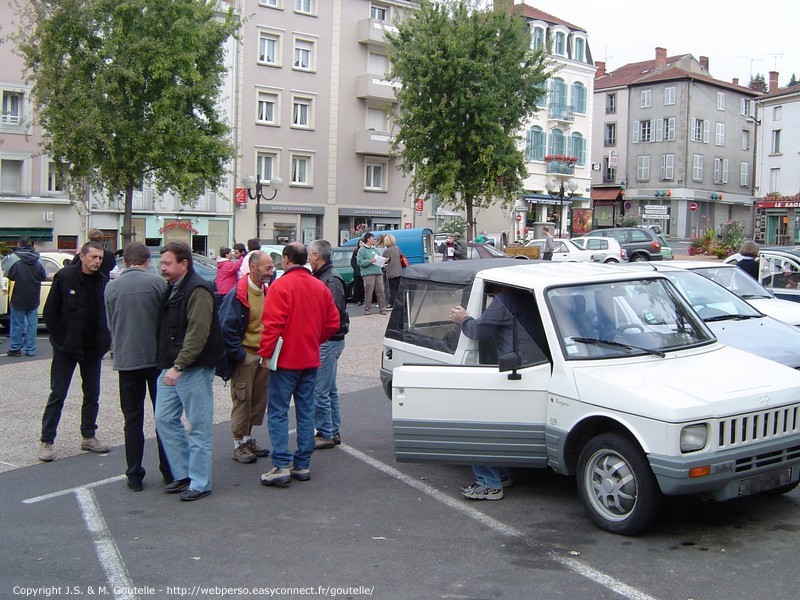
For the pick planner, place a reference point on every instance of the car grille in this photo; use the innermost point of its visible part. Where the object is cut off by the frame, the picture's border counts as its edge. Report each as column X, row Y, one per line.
column 758, row 427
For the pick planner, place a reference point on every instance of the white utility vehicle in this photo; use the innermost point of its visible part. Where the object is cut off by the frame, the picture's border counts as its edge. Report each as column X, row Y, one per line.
column 595, row 371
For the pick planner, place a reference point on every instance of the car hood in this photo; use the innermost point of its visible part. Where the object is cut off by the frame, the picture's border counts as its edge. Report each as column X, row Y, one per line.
column 781, row 310
column 679, row 388
column 763, row 337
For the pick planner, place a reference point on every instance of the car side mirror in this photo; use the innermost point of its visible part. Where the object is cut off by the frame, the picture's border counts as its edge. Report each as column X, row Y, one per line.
column 510, row 362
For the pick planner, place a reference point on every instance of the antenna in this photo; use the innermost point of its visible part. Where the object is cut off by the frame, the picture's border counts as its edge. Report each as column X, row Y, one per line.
column 752, row 60
column 775, row 56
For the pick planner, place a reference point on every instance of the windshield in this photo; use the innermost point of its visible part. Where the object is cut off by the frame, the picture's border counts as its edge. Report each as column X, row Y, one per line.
column 626, row 318
column 709, row 299
column 736, row 280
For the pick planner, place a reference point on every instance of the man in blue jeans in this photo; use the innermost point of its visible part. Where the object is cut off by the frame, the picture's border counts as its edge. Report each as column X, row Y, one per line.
column 327, row 417
column 27, row 273
column 298, row 310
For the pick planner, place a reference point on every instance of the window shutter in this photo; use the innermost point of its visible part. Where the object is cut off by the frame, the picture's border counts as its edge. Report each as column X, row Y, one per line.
column 659, row 130
column 635, row 133
column 706, row 125
column 725, row 170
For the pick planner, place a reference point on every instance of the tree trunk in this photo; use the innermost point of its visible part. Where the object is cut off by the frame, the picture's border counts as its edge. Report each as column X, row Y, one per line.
column 127, row 216
column 470, row 234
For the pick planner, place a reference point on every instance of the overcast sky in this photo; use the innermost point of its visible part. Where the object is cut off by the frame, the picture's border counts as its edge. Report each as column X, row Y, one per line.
column 734, row 35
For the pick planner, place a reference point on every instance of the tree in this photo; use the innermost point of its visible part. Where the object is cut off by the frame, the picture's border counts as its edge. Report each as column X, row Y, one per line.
column 468, row 81
column 793, row 80
column 126, row 92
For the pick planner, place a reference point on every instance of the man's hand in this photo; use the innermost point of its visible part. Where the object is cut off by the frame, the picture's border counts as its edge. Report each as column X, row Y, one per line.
column 457, row 314
column 171, row 377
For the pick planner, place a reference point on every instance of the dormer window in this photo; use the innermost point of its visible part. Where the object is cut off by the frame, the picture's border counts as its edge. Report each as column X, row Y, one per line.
column 580, row 49
column 560, row 46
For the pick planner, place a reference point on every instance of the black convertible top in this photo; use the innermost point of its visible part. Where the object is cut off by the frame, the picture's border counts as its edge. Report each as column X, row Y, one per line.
column 457, row 271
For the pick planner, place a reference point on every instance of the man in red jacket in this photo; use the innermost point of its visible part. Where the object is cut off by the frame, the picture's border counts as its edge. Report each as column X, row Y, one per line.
column 299, row 310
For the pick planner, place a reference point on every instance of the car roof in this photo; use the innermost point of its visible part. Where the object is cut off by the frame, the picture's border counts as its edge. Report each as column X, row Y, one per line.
column 700, row 264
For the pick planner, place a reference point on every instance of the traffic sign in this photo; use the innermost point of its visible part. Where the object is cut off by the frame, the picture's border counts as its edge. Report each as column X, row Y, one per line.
column 692, row 206
column 519, row 218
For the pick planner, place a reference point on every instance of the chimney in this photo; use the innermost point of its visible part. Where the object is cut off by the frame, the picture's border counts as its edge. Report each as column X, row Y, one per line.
column 735, row 81
column 773, row 81
column 601, row 68
column 704, row 62
column 661, row 57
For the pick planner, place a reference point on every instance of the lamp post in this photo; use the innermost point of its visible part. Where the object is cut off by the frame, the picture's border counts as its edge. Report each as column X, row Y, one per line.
column 562, row 194
column 254, row 183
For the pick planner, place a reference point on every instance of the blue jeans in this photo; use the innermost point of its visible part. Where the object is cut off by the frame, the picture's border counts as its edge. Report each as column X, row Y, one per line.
column 284, row 383
column 490, row 477
column 189, row 454
column 327, row 418
column 24, row 322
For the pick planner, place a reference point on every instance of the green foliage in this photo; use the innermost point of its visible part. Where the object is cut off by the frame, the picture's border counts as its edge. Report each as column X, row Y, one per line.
column 126, row 91
column 454, row 225
column 469, row 80
column 727, row 242
column 629, row 220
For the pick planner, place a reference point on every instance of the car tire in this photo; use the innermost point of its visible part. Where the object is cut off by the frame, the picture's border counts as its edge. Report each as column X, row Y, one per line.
column 612, row 261
column 617, row 485
column 387, row 388
column 639, row 258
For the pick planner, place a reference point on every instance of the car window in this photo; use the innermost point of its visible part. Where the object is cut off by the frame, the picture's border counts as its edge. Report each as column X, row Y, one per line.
column 637, row 235
column 597, row 245
column 708, row 298
column 560, row 247
column 51, row 267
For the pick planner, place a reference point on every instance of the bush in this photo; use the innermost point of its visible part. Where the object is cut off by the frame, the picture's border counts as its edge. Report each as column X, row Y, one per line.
column 727, row 242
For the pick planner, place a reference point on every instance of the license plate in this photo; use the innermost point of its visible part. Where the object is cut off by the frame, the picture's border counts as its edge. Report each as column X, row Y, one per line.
column 765, row 481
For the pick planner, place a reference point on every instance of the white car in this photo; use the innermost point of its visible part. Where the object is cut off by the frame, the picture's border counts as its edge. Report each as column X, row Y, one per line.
column 605, row 250
column 744, row 286
column 778, row 269
column 565, row 251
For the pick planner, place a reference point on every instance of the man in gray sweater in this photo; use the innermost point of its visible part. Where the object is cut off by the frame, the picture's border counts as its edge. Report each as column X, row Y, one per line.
column 132, row 305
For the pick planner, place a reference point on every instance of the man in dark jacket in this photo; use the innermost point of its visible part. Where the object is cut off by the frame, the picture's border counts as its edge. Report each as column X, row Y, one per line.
column 462, row 251
column 75, row 316
column 27, row 273
column 327, row 419
column 189, row 349
column 240, row 319
column 109, row 262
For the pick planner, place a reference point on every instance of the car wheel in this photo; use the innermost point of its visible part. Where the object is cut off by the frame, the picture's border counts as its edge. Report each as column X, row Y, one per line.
column 611, row 261
column 387, row 388
column 639, row 258
column 616, row 485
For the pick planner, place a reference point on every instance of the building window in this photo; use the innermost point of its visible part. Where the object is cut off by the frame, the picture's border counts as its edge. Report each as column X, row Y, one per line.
column 558, row 143
column 700, row 130
column 697, row 167
column 719, row 137
column 577, row 148
column 534, row 148
column 12, row 107
column 56, row 178
column 720, row 100
column 642, row 168
column 269, row 45
column 266, row 165
column 744, row 107
column 646, row 131
column 303, row 112
column 667, row 166
column 11, row 176
column 271, row 3
column 538, row 38
column 609, row 173
column 774, row 181
column 610, row 136
column 776, row 141
column 304, row 55
column 560, row 44
column 377, row 64
column 720, row 170
column 301, row 169
column 376, row 119
column 669, row 129
column 580, row 49
column 669, row 96
column 745, row 139
column 375, row 177
column 611, row 104
column 305, row 6
column 776, row 113
column 579, row 98
column 647, row 99
column 380, row 12
column 267, row 108
column 744, row 175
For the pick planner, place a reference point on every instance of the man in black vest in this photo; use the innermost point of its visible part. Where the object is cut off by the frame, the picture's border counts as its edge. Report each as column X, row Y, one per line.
column 189, row 348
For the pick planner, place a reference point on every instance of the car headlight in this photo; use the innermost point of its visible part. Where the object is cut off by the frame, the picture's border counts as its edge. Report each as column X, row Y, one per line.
column 694, row 437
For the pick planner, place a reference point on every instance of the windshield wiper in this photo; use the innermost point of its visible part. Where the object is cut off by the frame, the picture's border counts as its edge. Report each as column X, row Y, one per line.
column 731, row 318
column 588, row 340
column 751, row 296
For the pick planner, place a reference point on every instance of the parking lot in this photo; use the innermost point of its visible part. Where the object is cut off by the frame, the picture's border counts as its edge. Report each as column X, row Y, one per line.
column 363, row 526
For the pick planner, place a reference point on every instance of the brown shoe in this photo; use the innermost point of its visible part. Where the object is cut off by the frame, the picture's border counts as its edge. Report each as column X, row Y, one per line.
column 255, row 449
column 92, row 444
column 46, row 452
column 321, row 443
column 242, row 454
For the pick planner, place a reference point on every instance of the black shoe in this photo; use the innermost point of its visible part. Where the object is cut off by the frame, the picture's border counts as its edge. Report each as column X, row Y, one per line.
column 337, row 440
column 190, row 495
column 177, row 486
column 14, row 353
column 135, row 485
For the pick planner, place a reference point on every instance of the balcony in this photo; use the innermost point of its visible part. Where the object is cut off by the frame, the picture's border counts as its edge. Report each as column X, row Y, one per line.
column 560, row 165
column 207, row 203
column 375, row 143
column 563, row 113
column 144, row 199
column 375, row 87
column 373, row 31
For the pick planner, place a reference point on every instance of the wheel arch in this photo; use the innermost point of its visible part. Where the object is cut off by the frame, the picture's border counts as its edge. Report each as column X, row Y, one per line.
column 589, row 428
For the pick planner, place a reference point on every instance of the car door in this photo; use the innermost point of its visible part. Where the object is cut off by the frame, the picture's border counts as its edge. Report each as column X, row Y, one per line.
column 780, row 274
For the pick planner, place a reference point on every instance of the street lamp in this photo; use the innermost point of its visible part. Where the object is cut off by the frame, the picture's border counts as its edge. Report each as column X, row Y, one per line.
column 254, row 183
column 562, row 194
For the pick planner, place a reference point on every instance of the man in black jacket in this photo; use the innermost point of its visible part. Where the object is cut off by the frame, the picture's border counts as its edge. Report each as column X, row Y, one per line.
column 27, row 273
column 327, row 419
column 75, row 316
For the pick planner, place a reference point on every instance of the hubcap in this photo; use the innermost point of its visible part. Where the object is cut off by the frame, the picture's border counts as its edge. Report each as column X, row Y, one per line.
column 611, row 485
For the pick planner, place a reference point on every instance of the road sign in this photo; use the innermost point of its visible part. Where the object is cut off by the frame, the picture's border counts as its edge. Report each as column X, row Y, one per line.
column 420, row 206
column 519, row 218
column 692, row 206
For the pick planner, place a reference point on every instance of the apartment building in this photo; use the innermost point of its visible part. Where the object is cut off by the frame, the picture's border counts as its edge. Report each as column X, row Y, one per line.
column 675, row 146
column 777, row 207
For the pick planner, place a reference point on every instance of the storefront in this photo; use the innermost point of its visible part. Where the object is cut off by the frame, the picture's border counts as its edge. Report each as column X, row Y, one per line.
column 284, row 223
column 355, row 221
column 608, row 206
column 777, row 220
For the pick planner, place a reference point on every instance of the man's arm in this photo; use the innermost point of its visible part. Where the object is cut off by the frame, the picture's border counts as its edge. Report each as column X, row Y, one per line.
column 199, row 312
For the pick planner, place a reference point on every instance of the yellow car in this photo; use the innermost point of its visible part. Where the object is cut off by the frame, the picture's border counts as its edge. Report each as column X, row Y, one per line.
column 52, row 261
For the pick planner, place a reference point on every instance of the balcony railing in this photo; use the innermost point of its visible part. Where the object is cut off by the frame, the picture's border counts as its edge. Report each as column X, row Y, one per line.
column 560, row 165
column 561, row 112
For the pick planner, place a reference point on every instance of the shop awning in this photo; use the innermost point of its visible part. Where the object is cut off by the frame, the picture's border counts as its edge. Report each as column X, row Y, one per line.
column 37, row 234
column 605, row 193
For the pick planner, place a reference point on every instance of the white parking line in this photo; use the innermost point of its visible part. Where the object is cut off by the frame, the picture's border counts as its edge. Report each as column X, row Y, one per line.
column 582, row 569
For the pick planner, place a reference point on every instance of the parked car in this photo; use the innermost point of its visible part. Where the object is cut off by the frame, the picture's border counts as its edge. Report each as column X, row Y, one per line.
column 748, row 289
column 631, row 393
column 666, row 251
column 341, row 262
column 203, row 266
column 52, row 261
column 564, row 250
column 640, row 243
column 603, row 249
column 415, row 244
column 778, row 270
column 735, row 322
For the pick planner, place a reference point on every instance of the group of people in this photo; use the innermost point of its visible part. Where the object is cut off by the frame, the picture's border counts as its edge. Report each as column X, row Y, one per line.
column 377, row 267
column 454, row 247
column 274, row 340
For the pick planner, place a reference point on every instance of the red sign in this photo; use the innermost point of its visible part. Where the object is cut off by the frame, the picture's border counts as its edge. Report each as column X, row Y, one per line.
column 692, row 206
column 241, row 196
column 519, row 218
column 420, row 206
column 407, row 226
